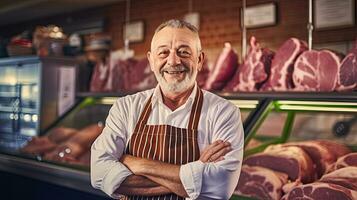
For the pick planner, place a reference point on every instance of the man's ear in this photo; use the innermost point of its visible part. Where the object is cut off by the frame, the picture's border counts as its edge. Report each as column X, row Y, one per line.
column 151, row 62
column 201, row 59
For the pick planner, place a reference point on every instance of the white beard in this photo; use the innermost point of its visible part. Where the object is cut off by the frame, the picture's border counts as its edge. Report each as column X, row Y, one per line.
column 176, row 86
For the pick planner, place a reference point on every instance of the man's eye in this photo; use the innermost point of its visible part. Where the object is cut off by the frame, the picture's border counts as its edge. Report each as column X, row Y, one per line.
column 184, row 53
column 163, row 53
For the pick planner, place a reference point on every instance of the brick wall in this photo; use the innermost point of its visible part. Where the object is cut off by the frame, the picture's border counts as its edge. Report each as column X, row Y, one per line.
column 219, row 22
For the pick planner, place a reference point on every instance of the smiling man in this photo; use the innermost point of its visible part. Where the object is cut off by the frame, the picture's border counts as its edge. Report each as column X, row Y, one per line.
column 175, row 141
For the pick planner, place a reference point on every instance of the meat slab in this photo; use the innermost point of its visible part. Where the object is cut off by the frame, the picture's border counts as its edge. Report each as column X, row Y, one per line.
column 347, row 76
column 254, row 71
column 322, row 152
column 223, row 70
column 320, row 191
column 345, row 161
column 316, row 71
column 261, row 183
column 346, row 177
column 286, row 159
column 282, row 66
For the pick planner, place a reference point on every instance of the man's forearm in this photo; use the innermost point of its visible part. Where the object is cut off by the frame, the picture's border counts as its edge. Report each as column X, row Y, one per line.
column 140, row 185
column 143, row 191
column 162, row 173
column 138, row 181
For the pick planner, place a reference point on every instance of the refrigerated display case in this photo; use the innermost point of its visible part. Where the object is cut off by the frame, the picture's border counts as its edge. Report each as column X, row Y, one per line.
column 30, row 96
column 269, row 118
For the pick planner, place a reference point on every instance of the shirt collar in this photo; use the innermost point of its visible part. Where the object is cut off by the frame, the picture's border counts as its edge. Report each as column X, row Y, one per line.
column 157, row 96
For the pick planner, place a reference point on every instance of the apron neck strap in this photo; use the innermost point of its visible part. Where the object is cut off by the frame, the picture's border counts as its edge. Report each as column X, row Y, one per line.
column 194, row 116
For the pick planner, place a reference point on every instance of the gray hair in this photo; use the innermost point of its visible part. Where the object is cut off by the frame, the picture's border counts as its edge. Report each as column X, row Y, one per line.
column 176, row 23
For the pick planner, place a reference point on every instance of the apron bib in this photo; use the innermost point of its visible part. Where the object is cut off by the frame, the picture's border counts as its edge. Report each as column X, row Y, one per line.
column 166, row 143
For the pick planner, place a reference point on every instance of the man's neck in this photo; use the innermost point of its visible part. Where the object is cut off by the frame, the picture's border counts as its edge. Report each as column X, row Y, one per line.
column 175, row 100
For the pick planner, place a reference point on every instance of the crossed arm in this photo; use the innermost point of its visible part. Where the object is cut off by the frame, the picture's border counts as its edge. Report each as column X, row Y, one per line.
column 158, row 178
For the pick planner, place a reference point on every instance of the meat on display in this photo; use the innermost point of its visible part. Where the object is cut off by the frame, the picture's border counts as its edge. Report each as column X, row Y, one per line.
column 261, row 183
column 322, row 152
column 345, row 161
column 286, row 159
column 282, row 65
column 254, row 70
column 346, row 177
column 223, row 70
column 347, row 76
column 77, row 146
column 65, row 144
column 316, row 71
column 41, row 145
column 320, row 191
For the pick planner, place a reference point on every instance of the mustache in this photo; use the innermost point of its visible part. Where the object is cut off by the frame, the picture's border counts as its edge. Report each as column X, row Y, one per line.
column 174, row 68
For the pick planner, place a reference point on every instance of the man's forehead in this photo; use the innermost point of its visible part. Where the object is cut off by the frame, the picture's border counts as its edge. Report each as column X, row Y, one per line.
column 167, row 35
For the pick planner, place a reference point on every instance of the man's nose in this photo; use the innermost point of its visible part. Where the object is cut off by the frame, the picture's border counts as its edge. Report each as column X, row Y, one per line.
column 173, row 59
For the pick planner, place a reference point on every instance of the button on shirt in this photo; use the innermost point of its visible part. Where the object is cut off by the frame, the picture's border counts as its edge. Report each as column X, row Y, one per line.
column 220, row 120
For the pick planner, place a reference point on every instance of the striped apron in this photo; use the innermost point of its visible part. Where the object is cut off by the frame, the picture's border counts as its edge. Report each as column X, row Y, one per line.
column 166, row 143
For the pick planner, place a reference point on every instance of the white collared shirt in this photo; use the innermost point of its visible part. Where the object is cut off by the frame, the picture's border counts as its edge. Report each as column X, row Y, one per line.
column 219, row 119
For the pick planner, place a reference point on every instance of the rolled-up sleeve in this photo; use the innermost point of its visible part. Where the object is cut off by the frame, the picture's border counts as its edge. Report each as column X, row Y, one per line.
column 217, row 180
column 107, row 173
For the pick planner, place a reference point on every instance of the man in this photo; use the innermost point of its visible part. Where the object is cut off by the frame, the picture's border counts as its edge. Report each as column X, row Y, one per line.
column 175, row 141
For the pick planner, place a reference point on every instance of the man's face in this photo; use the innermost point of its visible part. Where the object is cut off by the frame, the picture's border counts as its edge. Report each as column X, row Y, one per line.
column 175, row 59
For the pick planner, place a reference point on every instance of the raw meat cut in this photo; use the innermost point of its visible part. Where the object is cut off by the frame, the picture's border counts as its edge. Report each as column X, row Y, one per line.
column 345, row 161
column 320, row 191
column 347, row 76
column 261, row 183
column 77, row 146
column 282, row 66
column 224, row 69
column 254, row 71
column 38, row 146
column 322, row 152
column 203, row 75
column 99, row 77
column 287, row 159
column 46, row 143
column 316, row 71
column 346, row 177
column 131, row 75
column 61, row 134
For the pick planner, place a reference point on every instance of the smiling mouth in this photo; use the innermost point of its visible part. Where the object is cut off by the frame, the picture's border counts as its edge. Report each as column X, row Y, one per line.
column 174, row 72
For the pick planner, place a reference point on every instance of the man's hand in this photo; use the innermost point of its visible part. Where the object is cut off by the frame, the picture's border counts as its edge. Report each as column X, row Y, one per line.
column 215, row 151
